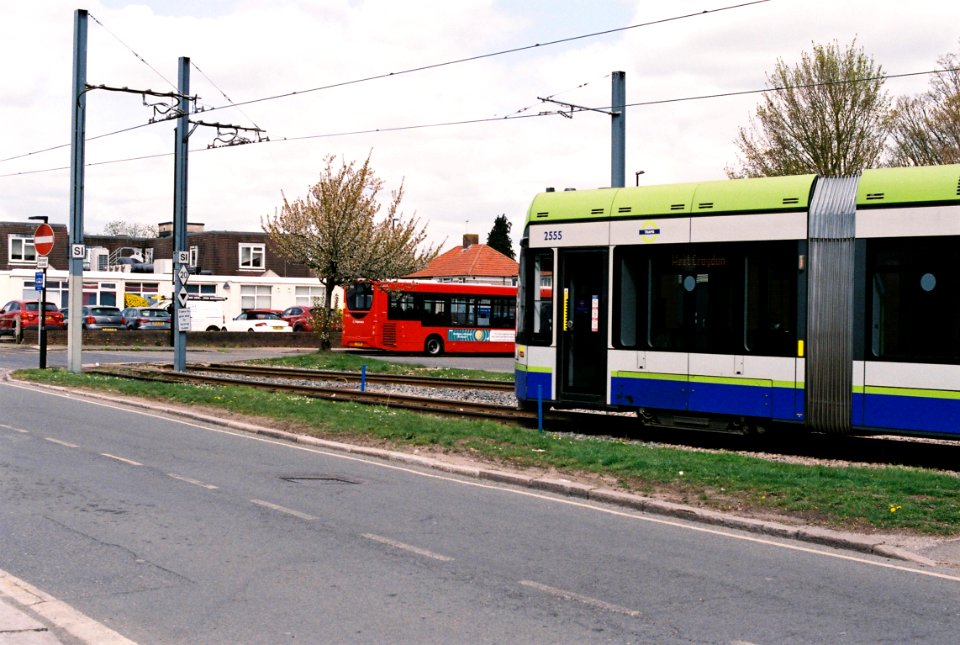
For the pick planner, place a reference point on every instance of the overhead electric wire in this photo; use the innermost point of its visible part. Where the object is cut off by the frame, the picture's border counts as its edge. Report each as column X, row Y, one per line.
column 224, row 94
column 513, row 50
column 513, row 117
column 379, row 76
column 130, row 49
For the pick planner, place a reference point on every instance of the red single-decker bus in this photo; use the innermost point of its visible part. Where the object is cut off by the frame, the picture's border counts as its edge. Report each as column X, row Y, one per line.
column 430, row 317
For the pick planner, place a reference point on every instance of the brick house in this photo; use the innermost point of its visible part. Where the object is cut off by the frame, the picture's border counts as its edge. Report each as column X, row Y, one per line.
column 240, row 268
column 470, row 262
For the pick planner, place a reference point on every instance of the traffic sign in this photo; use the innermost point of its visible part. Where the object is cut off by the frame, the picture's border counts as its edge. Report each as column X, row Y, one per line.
column 183, row 319
column 182, row 296
column 38, row 281
column 43, row 239
column 183, row 274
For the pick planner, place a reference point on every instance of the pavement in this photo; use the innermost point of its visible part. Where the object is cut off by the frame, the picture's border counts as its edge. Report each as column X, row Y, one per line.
column 28, row 616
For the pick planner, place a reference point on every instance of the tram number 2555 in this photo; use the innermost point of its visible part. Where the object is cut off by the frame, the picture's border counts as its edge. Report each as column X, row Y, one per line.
column 552, row 236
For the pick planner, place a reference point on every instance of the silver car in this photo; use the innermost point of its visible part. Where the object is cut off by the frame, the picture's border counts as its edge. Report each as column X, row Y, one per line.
column 101, row 317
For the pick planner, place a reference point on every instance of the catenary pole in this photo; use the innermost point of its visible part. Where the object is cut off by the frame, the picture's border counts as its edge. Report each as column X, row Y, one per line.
column 182, row 135
column 77, row 159
column 618, row 133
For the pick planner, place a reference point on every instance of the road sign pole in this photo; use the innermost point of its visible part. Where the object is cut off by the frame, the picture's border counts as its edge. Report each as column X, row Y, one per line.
column 42, row 244
column 43, row 322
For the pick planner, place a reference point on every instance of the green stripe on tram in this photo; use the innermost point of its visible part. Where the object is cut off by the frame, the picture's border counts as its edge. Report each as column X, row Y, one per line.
column 715, row 380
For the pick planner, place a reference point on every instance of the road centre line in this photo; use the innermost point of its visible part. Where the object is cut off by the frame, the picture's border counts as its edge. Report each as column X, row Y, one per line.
column 407, row 547
column 20, row 430
column 284, row 509
column 195, row 482
column 586, row 600
column 595, row 507
column 61, row 442
column 120, row 459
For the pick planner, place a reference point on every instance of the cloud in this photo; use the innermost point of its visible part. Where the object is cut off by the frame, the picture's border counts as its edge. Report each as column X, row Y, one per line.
column 452, row 174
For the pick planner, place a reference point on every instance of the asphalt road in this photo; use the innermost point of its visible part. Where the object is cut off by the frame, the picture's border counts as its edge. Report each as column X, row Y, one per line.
column 173, row 532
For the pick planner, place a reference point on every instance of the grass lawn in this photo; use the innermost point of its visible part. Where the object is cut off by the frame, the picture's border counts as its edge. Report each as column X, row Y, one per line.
column 845, row 497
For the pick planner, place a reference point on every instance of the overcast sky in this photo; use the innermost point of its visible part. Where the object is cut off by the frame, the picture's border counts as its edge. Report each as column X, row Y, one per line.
column 458, row 178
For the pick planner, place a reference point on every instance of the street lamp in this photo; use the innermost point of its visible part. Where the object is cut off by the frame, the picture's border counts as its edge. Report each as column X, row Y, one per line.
column 41, row 325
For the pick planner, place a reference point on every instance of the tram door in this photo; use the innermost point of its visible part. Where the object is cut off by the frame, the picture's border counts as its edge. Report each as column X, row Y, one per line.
column 582, row 333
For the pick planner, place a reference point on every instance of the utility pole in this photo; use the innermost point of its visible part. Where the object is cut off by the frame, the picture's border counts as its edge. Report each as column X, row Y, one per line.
column 180, row 268
column 77, row 156
column 618, row 121
column 618, row 131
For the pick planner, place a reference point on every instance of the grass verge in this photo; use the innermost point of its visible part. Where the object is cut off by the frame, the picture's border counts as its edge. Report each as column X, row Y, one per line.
column 853, row 498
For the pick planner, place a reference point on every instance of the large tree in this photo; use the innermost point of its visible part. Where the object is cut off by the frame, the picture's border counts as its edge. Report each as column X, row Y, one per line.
column 827, row 114
column 926, row 128
column 499, row 236
column 336, row 229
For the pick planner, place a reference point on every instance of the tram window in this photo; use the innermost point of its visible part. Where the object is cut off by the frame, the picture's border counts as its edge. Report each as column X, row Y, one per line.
column 771, row 299
column 914, row 300
column 627, row 312
column 696, row 300
column 535, row 298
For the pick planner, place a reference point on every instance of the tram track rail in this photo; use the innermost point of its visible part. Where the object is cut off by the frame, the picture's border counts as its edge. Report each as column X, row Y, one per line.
column 354, row 377
column 279, row 380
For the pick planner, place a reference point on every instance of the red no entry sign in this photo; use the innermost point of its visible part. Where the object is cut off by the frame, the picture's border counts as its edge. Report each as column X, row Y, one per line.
column 43, row 239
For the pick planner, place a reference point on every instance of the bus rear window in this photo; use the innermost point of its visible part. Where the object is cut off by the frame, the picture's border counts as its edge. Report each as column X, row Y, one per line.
column 360, row 297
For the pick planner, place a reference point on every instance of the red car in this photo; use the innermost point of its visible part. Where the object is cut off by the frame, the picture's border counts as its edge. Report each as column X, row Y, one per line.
column 27, row 313
column 300, row 318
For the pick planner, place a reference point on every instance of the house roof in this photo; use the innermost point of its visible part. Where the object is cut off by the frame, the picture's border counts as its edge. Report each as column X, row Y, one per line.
column 473, row 260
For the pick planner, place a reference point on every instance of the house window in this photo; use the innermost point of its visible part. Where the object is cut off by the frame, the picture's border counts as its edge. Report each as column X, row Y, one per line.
column 201, row 289
column 100, row 293
column 253, row 256
column 308, row 296
column 255, row 296
column 21, row 249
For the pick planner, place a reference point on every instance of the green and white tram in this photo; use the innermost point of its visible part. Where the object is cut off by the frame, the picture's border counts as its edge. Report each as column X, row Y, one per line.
column 832, row 303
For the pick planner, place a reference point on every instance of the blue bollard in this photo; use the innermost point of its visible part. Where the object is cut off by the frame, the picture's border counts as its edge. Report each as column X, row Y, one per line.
column 363, row 377
column 540, row 408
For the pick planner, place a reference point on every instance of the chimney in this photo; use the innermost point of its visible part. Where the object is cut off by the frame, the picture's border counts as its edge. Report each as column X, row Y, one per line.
column 469, row 239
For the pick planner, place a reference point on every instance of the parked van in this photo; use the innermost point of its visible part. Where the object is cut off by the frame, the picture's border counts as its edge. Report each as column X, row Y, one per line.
column 206, row 312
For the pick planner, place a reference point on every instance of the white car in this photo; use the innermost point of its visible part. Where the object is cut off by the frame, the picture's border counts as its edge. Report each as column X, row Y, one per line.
column 257, row 320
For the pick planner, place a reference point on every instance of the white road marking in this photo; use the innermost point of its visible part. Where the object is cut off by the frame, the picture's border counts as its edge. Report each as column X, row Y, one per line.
column 20, row 430
column 586, row 600
column 284, row 509
column 407, row 547
column 121, row 459
column 61, row 443
column 195, row 482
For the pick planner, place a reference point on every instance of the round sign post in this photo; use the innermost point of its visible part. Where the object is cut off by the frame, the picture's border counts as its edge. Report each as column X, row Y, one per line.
column 43, row 243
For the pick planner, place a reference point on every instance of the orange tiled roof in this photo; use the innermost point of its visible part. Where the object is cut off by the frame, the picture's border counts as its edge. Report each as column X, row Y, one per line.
column 474, row 260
